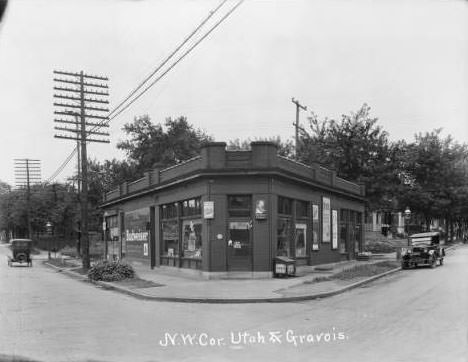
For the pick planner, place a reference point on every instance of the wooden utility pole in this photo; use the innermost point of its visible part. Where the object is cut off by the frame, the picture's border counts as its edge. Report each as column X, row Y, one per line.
column 296, row 124
column 83, row 89
column 27, row 172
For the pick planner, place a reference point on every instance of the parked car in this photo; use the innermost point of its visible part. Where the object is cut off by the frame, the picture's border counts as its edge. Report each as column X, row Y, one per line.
column 423, row 249
column 21, row 252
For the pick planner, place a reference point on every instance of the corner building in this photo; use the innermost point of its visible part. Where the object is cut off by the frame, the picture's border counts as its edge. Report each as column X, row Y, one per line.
column 231, row 212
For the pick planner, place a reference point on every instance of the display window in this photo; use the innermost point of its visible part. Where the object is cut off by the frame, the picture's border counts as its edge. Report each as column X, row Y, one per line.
column 284, row 234
column 300, row 240
column 239, row 205
column 192, row 238
column 170, row 238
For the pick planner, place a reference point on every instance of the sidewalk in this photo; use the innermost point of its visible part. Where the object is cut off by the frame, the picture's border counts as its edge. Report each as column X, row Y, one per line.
column 164, row 285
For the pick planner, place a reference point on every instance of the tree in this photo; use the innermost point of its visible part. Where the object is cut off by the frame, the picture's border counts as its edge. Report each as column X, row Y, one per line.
column 151, row 143
column 55, row 203
column 358, row 149
column 285, row 149
column 436, row 183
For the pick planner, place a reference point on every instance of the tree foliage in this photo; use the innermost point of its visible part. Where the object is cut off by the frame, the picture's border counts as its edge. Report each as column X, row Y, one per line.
column 55, row 203
column 150, row 143
column 285, row 148
column 357, row 148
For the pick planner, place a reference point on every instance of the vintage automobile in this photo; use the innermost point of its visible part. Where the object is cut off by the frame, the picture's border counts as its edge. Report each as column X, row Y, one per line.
column 423, row 249
column 21, row 252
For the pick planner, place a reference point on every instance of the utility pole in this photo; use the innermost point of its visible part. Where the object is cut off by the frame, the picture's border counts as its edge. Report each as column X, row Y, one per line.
column 296, row 124
column 85, row 93
column 27, row 172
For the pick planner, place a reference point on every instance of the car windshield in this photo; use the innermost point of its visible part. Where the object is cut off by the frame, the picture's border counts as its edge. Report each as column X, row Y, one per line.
column 21, row 243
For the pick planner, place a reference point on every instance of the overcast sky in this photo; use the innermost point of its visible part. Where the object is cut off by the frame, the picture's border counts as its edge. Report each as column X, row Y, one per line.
column 407, row 59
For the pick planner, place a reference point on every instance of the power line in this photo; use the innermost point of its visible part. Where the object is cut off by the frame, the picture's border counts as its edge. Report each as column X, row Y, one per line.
column 169, row 57
column 177, row 61
column 105, row 122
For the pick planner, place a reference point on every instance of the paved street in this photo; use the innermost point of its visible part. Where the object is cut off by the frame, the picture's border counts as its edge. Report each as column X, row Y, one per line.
column 415, row 315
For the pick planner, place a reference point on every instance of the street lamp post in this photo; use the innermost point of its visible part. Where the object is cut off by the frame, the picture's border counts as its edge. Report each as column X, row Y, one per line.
column 407, row 218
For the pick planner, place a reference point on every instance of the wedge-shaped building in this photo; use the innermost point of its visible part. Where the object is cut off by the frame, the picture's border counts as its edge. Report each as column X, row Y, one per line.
column 234, row 211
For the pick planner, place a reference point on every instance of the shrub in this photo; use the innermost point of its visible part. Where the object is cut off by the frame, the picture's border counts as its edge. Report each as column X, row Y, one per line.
column 110, row 271
column 69, row 251
column 377, row 247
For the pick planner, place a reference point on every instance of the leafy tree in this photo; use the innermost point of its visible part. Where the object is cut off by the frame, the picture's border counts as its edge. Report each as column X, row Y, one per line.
column 285, row 149
column 166, row 145
column 436, row 183
column 55, row 203
column 358, row 149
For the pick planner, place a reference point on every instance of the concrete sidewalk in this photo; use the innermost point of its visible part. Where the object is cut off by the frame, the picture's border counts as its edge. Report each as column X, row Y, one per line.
column 164, row 285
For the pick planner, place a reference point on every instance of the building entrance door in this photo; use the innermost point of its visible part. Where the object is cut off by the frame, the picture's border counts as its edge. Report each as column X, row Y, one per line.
column 239, row 248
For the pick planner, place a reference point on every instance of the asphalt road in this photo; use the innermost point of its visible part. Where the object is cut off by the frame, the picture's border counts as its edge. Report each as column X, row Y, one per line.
column 414, row 315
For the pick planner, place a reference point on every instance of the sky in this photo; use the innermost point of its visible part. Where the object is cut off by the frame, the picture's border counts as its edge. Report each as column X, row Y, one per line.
column 407, row 59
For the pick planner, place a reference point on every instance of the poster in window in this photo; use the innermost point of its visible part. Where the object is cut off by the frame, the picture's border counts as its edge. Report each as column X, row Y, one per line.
column 260, row 210
column 326, row 220
column 315, row 213
column 335, row 229
column 208, row 209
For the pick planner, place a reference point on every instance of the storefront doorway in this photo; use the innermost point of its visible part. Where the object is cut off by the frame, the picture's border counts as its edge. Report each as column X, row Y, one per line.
column 239, row 248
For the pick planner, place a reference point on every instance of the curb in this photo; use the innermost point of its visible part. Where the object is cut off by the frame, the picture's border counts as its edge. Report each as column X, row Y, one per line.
column 144, row 296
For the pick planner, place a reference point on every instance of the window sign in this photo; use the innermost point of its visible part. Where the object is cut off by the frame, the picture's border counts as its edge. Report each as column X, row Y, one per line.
column 260, row 209
column 315, row 213
column 145, row 249
column 326, row 220
column 315, row 227
column 335, row 229
column 208, row 209
column 136, row 232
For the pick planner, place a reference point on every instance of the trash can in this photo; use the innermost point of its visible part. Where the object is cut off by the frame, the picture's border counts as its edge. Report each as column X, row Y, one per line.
column 284, row 267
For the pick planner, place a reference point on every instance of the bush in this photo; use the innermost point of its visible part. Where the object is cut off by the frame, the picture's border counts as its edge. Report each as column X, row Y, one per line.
column 69, row 251
column 377, row 247
column 110, row 271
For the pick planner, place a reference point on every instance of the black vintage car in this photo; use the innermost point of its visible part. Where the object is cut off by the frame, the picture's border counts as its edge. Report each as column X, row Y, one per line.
column 21, row 252
column 423, row 249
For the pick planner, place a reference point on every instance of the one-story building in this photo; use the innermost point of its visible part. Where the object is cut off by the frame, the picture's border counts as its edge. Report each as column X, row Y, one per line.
column 234, row 211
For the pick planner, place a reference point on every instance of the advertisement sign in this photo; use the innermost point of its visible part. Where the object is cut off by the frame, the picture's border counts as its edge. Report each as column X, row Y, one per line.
column 260, row 210
column 326, row 220
column 335, row 229
column 208, row 209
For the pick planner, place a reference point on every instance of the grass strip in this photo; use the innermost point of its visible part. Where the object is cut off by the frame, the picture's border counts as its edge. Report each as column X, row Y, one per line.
column 358, row 271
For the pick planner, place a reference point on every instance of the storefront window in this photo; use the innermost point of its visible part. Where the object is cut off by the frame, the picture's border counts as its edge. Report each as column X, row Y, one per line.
column 170, row 239
column 169, row 211
column 239, row 205
column 192, row 238
column 137, row 233
column 315, row 227
column 344, row 219
column 191, row 207
column 302, row 209
column 300, row 240
column 284, row 206
column 283, row 237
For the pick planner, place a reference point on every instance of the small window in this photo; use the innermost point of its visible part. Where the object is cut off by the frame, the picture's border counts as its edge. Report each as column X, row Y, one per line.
column 191, row 207
column 169, row 211
column 239, row 205
column 302, row 208
column 284, row 206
